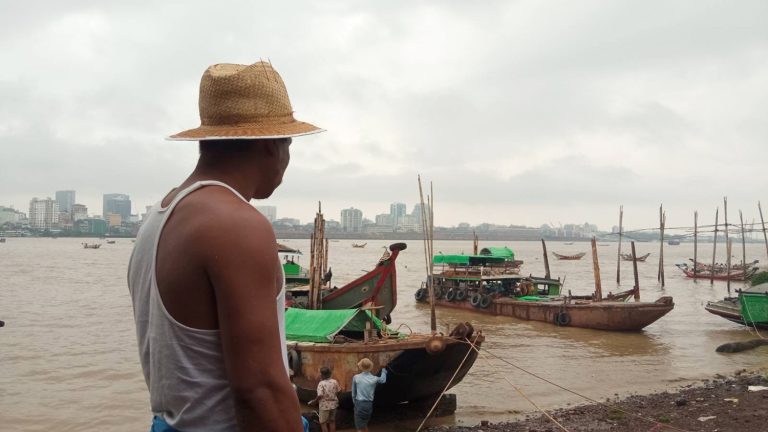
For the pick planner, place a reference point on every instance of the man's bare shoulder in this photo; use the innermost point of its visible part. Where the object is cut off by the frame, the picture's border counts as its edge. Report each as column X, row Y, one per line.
column 216, row 218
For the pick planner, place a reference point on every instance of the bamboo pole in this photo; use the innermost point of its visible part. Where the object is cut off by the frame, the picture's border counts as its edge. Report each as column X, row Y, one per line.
column 475, row 246
column 431, row 203
column 695, row 243
column 714, row 250
column 325, row 259
column 621, row 233
column 725, row 220
column 762, row 222
column 428, row 257
column 634, row 269
column 743, row 248
column 546, row 259
column 662, row 222
column 728, row 266
column 596, row 271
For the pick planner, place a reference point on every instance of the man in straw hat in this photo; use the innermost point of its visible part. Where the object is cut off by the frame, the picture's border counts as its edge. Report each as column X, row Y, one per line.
column 363, row 389
column 204, row 276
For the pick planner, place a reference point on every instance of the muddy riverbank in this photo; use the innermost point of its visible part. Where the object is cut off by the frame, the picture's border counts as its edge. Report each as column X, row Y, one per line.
column 721, row 404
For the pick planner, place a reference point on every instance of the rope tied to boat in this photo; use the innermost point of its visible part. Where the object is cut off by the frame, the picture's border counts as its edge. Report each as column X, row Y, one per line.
column 606, row 405
column 448, row 385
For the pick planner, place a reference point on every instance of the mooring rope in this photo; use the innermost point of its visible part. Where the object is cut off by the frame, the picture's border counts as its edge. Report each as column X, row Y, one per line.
column 429, row 414
column 614, row 407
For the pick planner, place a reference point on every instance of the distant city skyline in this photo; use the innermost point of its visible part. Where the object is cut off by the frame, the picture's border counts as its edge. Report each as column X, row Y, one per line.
column 370, row 211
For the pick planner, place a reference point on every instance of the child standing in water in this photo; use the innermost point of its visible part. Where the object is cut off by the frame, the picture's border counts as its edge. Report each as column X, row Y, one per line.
column 327, row 391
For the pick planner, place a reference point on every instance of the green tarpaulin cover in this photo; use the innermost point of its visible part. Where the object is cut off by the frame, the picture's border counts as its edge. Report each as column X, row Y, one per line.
column 304, row 325
column 754, row 307
column 503, row 252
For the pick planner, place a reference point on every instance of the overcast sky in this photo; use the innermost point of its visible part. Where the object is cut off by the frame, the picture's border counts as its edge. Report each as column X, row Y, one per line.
column 520, row 112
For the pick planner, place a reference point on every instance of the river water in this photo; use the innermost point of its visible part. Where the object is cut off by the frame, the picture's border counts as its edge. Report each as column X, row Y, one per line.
column 68, row 357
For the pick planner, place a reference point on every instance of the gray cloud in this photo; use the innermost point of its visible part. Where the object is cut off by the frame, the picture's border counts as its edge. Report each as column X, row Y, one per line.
column 516, row 110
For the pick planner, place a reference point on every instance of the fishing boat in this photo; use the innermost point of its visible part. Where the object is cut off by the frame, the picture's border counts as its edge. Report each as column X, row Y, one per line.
column 419, row 366
column 111, row 241
column 359, row 245
column 673, row 242
column 377, row 287
column 473, row 284
column 295, row 274
column 734, row 275
column 641, row 258
column 91, row 246
column 722, row 268
column 749, row 307
column 574, row 257
column 2, row 239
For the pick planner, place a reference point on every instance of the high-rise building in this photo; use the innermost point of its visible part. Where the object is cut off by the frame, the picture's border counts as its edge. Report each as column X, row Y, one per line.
column 43, row 214
column 66, row 200
column 384, row 219
column 397, row 211
column 119, row 204
column 351, row 220
column 79, row 211
column 269, row 212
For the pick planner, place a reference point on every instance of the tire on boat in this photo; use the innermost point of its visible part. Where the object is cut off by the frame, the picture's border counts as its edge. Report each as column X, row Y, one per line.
column 387, row 319
column 450, row 294
column 461, row 294
column 421, row 294
column 474, row 300
column 562, row 318
column 294, row 361
column 485, row 301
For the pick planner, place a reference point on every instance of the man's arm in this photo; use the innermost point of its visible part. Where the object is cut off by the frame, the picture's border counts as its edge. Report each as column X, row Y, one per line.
column 383, row 378
column 242, row 266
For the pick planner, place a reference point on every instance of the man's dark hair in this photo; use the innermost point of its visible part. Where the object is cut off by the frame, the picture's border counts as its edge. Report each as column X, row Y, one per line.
column 325, row 372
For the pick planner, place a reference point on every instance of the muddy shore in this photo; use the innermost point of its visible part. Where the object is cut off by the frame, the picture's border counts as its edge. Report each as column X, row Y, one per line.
column 720, row 404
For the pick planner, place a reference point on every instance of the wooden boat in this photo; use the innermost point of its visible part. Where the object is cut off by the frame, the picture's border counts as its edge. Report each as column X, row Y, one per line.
column 749, row 307
column 673, row 242
column 641, row 258
column 574, row 257
column 538, row 299
column 722, row 268
column 360, row 245
column 378, row 287
column 295, row 274
column 111, row 241
column 91, row 246
column 419, row 366
column 734, row 275
column 2, row 239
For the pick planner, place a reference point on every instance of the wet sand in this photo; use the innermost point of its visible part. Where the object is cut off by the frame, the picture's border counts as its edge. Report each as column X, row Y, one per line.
column 720, row 404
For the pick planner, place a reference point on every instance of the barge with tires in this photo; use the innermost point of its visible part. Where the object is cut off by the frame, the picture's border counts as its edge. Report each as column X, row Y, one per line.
column 480, row 284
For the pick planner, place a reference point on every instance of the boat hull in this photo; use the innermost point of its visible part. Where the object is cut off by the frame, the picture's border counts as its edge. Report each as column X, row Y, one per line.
column 730, row 309
column 605, row 315
column 413, row 373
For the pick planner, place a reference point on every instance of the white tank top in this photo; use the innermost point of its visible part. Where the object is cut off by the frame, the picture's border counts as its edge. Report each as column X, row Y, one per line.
column 183, row 366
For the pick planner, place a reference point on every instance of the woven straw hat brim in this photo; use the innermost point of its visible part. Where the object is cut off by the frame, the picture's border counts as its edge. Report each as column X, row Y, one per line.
column 289, row 130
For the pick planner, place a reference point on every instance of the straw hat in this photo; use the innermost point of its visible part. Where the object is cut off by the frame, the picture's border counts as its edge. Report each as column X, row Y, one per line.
column 244, row 102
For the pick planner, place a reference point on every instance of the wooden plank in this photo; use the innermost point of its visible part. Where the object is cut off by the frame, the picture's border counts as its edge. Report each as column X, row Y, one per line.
column 634, row 269
column 596, row 271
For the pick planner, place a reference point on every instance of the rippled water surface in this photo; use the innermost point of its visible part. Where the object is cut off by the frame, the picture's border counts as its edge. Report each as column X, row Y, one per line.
column 69, row 361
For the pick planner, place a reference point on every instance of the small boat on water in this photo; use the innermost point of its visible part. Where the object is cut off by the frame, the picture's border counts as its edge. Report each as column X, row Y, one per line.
column 749, row 307
column 295, row 274
column 738, row 275
column 111, row 241
column 722, row 268
column 359, row 245
column 91, row 245
column 673, row 242
column 2, row 239
column 478, row 286
column 641, row 258
column 574, row 257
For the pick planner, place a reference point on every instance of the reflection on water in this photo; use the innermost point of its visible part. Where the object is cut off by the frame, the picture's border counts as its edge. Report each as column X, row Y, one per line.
column 69, row 357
